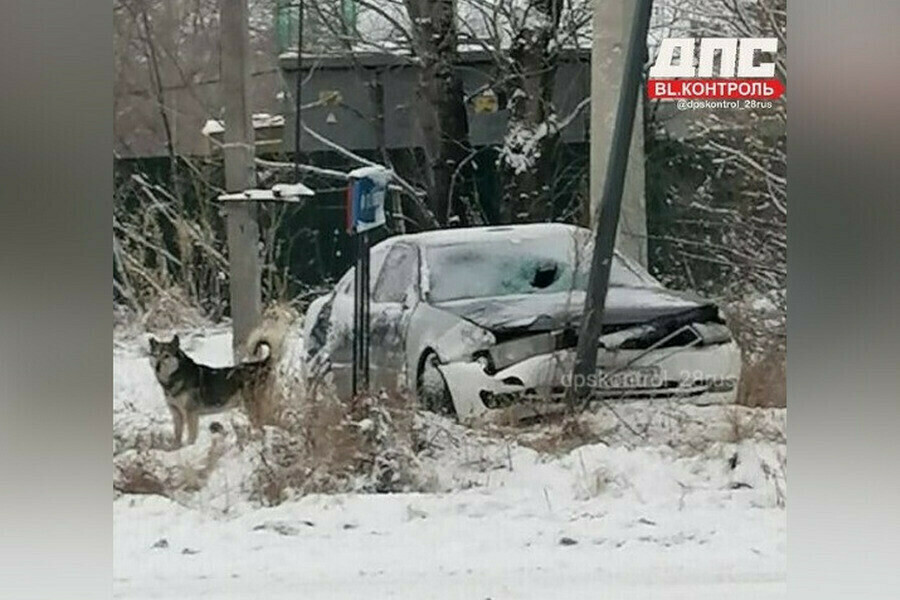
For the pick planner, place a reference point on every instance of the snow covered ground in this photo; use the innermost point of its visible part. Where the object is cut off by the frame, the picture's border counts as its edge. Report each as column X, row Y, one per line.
column 645, row 518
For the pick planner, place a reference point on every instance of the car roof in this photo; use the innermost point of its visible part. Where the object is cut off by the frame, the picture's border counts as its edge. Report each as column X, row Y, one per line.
column 464, row 235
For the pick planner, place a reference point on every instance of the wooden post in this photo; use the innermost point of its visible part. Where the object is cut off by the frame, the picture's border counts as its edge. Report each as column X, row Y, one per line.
column 240, row 173
column 612, row 25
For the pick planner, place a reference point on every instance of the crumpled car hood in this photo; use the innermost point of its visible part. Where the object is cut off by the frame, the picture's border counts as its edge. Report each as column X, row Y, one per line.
column 544, row 312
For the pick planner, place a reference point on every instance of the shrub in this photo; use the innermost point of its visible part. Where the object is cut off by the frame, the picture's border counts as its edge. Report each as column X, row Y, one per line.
column 764, row 381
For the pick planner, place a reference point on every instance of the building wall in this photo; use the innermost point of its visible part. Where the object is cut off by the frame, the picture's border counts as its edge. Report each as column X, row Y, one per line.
column 138, row 129
column 377, row 96
column 376, row 102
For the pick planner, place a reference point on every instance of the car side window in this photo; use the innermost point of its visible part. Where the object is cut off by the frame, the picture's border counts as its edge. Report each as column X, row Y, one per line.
column 346, row 284
column 398, row 273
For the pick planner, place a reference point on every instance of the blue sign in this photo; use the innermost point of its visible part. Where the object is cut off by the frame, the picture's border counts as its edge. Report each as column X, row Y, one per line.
column 365, row 199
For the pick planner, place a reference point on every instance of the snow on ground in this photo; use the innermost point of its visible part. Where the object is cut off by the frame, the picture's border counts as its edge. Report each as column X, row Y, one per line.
column 623, row 519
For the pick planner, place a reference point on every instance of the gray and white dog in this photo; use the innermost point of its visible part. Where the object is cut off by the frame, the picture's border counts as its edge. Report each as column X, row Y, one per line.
column 192, row 389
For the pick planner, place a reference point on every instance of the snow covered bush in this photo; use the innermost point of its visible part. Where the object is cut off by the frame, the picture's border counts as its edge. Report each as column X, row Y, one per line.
column 166, row 473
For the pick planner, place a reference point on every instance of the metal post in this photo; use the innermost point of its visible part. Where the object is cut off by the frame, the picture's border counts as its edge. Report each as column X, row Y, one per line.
column 354, row 384
column 610, row 205
column 299, row 88
column 240, row 173
column 360, row 377
column 366, row 311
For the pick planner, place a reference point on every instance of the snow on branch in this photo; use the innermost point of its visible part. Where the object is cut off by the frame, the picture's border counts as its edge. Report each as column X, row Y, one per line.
column 522, row 144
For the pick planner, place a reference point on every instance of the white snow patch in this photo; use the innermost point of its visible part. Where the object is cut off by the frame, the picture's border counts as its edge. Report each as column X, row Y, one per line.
column 522, row 144
column 212, row 126
column 259, row 120
column 380, row 175
column 645, row 517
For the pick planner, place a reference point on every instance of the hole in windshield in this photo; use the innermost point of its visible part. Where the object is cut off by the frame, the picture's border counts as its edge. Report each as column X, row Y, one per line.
column 544, row 275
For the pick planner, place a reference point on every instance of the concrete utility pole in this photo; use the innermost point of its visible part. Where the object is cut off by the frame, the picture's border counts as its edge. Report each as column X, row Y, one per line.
column 612, row 26
column 240, row 173
column 610, row 205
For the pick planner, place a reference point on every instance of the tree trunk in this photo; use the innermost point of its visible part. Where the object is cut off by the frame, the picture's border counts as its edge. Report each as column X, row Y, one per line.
column 532, row 132
column 441, row 108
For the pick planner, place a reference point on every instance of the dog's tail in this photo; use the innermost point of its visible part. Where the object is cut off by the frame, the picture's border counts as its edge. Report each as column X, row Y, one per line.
column 261, row 350
column 265, row 342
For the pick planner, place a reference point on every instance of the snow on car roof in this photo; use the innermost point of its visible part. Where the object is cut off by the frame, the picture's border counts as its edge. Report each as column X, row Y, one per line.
column 466, row 235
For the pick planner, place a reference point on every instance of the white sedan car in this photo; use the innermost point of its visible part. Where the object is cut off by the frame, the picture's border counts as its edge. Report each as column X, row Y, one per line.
column 481, row 319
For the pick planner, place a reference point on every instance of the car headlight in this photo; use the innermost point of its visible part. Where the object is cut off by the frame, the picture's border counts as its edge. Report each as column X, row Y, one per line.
column 516, row 350
column 483, row 359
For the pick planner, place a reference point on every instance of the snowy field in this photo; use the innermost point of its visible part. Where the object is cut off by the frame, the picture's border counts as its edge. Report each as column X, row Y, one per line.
column 692, row 508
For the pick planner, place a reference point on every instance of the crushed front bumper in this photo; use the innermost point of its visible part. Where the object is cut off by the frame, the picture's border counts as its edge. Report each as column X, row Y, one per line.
column 539, row 384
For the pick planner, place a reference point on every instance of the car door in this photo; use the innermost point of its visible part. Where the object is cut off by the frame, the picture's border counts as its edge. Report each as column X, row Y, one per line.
column 337, row 350
column 393, row 300
column 340, row 323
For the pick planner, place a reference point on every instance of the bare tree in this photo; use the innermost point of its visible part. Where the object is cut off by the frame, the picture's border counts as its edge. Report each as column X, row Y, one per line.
column 728, row 213
column 168, row 233
column 532, row 132
column 526, row 39
column 441, row 109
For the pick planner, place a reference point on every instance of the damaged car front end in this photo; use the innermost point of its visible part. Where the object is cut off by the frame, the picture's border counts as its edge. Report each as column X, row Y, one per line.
column 674, row 358
column 656, row 343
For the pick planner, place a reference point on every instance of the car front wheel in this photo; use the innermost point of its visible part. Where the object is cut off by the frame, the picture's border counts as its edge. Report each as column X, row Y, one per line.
column 431, row 388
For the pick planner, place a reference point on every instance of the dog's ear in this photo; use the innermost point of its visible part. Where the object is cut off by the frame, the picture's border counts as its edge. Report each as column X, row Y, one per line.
column 154, row 344
column 175, row 342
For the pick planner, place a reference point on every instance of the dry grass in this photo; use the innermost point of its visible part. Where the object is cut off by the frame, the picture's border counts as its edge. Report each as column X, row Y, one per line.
column 270, row 396
column 745, row 423
column 555, row 434
column 137, row 477
column 740, row 425
column 764, row 382
column 365, row 445
column 152, row 472
column 264, row 404
column 151, row 438
column 171, row 310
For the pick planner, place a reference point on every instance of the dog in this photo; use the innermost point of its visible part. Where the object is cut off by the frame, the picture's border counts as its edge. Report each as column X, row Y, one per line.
column 192, row 389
